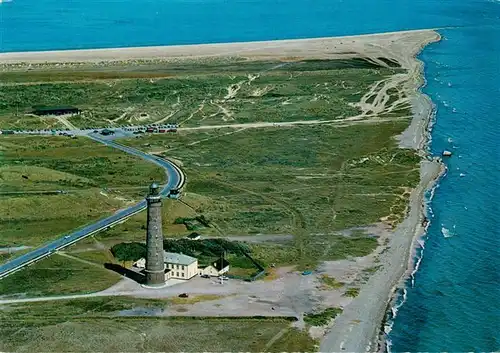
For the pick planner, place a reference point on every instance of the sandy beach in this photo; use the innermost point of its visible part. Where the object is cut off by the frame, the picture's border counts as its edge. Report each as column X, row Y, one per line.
column 357, row 329
column 398, row 45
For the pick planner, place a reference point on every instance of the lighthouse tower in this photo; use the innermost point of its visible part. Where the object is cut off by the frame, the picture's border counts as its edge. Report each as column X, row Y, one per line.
column 155, row 264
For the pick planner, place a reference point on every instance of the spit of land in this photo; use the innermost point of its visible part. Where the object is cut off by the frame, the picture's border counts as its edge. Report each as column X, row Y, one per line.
column 311, row 151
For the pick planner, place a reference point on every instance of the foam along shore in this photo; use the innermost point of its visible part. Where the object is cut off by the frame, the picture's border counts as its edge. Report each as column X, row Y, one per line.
column 357, row 328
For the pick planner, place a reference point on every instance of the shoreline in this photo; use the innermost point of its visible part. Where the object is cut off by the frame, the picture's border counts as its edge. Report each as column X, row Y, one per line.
column 311, row 47
column 361, row 326
column 416, row 244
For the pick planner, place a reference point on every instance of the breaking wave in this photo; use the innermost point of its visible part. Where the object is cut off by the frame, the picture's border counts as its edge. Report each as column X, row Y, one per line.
column 446, row 232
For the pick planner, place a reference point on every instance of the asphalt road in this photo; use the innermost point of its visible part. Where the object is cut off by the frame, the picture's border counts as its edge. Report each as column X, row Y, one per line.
column 175, row 179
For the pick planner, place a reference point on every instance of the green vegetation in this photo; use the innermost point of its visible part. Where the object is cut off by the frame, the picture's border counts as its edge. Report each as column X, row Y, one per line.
column 315, row 180
column 295, row 181
column 205, row 249
column 64, row 326
column 330, row 282
column 33, row 220
column 313, row 183
column 195, row 223
column 98, row 257
column 135, row 227
column 322, row 318
column 242, row 267
column 294, row 340
column 57, row 275
column 5, row 257
column 352, row 292
column 192, row 92
column 129, row 251
column 81, row 167
column 55, row 163
column 61, row 310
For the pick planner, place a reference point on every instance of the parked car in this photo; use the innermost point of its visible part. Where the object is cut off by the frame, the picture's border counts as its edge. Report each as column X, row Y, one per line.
column 183, row 295
column 205, row 276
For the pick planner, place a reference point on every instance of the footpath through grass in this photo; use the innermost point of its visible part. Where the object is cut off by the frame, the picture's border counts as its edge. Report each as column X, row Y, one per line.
column 202, row 92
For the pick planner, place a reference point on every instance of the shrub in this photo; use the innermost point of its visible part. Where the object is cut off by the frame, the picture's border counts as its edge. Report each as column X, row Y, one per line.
column 322, row 318
column 204, row 247
column 352, row 292
column 129, row 251
column 182, row 220
column 331, row 282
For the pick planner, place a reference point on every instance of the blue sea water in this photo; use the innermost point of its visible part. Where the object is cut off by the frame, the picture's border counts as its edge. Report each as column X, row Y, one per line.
column 56, row 24
column 454, row 303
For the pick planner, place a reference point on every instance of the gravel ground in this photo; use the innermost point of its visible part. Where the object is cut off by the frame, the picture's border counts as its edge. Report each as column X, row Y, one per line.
column 290, row 295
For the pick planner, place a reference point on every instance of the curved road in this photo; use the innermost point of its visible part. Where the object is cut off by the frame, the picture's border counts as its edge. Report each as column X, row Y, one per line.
column 175, row 179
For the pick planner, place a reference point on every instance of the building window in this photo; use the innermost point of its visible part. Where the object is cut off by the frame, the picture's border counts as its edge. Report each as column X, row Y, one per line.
column 182, row 267
column 177, row 274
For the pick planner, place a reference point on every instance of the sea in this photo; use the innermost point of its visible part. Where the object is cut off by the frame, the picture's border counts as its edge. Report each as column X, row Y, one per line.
column 452, row 301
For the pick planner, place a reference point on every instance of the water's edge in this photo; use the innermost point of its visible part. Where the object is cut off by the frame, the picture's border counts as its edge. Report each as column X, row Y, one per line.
column 414, row 255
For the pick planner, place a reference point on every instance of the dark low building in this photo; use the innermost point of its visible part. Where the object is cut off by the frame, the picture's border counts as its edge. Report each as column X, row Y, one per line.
column 60, row 110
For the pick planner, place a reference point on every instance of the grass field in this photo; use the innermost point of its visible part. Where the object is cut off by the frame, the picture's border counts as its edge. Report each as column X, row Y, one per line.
column 94, row 324
column 57, row 275
column 86, row 170
column 98, row 257
column 191, row 92
column 310, row 181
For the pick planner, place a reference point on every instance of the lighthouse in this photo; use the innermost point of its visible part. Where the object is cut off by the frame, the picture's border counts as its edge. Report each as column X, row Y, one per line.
column 155, row 264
